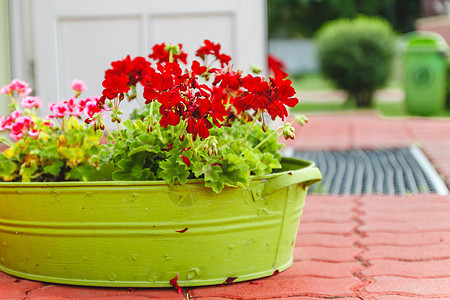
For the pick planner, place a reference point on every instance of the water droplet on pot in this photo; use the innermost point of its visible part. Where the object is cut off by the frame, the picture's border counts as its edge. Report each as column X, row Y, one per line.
column 112, row 277
column 134, row 257
column 166, row 257
column 263, row 212
column 88, row 195
column 231, row 246
column 192, row 274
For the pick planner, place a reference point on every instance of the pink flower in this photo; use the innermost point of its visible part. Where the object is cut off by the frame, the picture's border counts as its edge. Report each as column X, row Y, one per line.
column 9, row 121
column 6, row 89
column 30, row 102
column 91, row 107
column 2, row 123
column 74, row 107
column 21, row 87
column 16, row 136
column 59, row 109
column 33, row 133
column 49, row 124
column 78, row 85
column 21, row 125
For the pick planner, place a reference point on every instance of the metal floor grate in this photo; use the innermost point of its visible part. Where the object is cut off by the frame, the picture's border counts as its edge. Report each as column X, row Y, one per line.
column 388, row 171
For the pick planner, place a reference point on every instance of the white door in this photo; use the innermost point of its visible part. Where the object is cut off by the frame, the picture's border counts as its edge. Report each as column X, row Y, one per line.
column 79, row 39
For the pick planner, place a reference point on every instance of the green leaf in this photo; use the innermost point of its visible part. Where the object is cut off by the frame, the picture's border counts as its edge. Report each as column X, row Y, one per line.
column 216, row 186
column 82, row 172
column 55, row 168
column 128, row 124
column 211, row 172
column 27, row 171
column 146, row 139
column 173, row 169
column 268, row 163
column 252, row 159
column 132, row 169
column 8, row 168
column 234, row 171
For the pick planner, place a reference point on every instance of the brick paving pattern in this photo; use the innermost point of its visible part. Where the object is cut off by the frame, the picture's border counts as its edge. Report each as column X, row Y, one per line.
column 352, row 247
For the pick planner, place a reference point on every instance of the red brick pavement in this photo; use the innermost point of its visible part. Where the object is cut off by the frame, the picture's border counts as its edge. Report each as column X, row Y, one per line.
column 365, row 247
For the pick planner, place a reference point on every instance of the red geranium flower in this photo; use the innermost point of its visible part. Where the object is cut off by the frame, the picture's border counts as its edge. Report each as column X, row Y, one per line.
column 115, row 86
column 229, row 80
column 160, row 54
column 275, row 65
column 212, row 49
column 169, row 109
column 136, row 70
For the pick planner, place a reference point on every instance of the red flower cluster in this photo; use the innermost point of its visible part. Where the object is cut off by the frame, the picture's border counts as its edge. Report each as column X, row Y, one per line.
column 160, row 54
column 185, row 97
column 213, row 49
column 276, row 65
column 182, row 97
column 135, row 70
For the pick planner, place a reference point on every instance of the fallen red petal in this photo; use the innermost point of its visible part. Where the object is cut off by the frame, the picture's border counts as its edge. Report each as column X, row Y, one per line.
column 230, row 280
column 174, row 283
column 256, row 282
column 276, row 272
column 182, row 230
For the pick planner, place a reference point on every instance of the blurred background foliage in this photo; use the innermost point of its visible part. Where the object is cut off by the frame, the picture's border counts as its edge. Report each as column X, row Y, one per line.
column 302, row 18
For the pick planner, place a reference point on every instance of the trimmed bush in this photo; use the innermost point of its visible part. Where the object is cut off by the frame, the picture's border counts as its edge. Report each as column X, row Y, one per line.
column 357, row 55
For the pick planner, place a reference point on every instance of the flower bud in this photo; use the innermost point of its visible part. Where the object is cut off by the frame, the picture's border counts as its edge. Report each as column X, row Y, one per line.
column 255, row 68
column 182, row 137
column 288, row 132
column 186, row 160
column 301, row 119
column 265, row 127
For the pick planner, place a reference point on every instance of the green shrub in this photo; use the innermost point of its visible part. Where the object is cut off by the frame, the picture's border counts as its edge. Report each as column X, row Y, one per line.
column 357, row 55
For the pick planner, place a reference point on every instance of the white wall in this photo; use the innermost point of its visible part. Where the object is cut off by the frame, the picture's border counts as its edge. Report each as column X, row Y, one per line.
column 5, row 76
column 78, row 39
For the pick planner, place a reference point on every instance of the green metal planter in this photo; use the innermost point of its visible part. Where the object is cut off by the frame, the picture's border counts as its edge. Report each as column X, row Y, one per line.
column 142, row 234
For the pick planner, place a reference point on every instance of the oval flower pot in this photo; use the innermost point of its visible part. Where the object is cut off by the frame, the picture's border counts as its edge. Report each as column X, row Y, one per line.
column 144, row 234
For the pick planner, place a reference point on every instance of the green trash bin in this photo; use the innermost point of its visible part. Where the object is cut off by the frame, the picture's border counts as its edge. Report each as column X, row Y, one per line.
column 424, row 72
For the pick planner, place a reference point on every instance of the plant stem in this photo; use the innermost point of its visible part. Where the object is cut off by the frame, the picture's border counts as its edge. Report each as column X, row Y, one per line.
column 6, row 142
column 251, row 127
column 191, row 141
column 110, row 134
column 268, row 137
column 159, row 133
column 118, row 129
column 198, row 147
column 14, row 102
column 151, row 108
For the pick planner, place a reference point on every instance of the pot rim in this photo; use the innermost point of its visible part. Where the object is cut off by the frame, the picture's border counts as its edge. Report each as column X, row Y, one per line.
column 301, row 165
